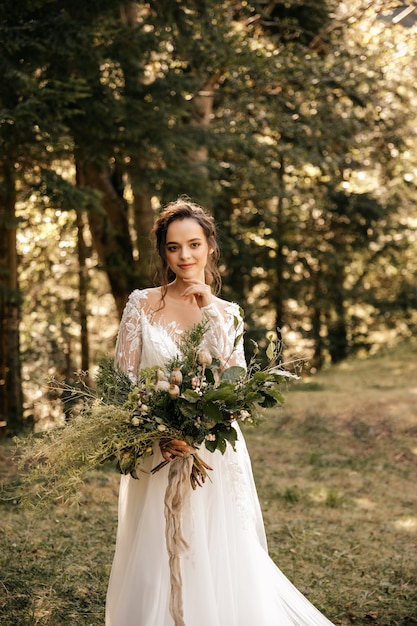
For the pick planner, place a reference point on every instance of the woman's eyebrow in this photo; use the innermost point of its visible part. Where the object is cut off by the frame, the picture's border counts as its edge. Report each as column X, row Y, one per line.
column 170, row 243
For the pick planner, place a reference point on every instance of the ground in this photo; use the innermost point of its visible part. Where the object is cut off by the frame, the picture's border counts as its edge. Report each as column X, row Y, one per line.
column 335, row 470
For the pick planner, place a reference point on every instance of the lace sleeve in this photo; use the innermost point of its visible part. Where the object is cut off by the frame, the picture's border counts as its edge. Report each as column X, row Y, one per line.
column 129, row 339
column 224, row 338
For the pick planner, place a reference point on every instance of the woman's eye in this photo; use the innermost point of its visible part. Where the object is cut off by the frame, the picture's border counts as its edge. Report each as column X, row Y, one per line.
column 172, row 248
column 195, row 245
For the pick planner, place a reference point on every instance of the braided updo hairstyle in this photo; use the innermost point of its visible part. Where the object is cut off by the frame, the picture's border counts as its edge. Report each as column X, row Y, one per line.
column 179, row 210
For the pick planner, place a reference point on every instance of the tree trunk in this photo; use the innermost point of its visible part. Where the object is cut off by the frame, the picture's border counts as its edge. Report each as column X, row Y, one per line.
column 110, row 232
column 317, row 360
column 202, row 113
column 278, row 296
column 336, row 324
column 11, row 397
column 144, row 220
column 82, row 298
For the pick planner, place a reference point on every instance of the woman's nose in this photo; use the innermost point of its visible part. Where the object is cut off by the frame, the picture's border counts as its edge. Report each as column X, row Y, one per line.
column 185, row 252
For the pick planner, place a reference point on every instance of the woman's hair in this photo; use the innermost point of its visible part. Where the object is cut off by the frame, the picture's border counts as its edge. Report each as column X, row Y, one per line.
column 179, row 210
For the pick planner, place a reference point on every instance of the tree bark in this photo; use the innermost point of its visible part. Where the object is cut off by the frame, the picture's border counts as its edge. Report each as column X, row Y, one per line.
column 278, row 295
column 82, row 298
column 11, row 396
column 110, row 232
column 336, row 323
column 144, row 220
column 202, row 113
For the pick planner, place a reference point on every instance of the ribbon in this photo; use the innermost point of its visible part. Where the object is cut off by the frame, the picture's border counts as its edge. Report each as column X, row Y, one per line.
column 176, row 495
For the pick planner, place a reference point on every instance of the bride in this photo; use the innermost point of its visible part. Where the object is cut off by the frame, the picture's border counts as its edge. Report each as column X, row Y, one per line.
column 226, row 576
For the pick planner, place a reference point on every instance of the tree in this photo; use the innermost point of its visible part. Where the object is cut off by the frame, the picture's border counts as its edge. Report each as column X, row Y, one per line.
column 10, row 374
column 288, row 123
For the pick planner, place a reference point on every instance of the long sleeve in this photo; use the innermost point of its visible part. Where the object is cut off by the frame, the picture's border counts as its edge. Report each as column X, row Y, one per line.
column 224, row 337
column 129, row 339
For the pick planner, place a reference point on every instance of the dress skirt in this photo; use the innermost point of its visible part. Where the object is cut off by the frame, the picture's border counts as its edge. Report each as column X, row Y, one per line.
column 228, row 579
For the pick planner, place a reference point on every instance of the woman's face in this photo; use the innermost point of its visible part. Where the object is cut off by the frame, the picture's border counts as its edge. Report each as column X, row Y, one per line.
column 186, row 248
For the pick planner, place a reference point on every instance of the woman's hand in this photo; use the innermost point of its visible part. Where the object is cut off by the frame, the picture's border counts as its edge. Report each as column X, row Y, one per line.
column 201, row 292
column 172, row 448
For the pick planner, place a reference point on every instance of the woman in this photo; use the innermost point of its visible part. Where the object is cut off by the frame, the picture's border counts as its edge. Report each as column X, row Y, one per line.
column 226, row 575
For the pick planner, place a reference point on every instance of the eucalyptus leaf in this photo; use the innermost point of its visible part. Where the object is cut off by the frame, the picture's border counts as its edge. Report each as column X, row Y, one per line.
column 232, row 374
column 237, row 339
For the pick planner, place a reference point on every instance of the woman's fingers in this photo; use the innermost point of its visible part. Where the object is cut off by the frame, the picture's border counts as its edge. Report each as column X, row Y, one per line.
column 200, row 291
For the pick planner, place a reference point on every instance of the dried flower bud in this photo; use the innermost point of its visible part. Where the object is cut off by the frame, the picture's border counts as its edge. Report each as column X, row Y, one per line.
column 162, row 385
column 195, row 382
column 174, row 391
column 160, row 374
column 204, row 357
column 176, row 376
column 144, row 408
column 135, row 421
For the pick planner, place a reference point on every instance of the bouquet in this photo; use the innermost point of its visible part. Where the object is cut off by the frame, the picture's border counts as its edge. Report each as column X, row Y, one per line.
column 191, row 401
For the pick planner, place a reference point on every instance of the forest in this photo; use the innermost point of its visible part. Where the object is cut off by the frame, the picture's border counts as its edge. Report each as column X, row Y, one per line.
column 292, row 121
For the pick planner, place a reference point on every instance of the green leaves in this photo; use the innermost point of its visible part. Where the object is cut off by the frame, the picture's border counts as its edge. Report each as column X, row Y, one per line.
column 232, row 374
column 212, row 411
column 123, row 420
column 221, row 437
column 191, row 396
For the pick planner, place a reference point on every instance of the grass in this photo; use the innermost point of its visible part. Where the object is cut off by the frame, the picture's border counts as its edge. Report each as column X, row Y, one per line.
column 336, row 476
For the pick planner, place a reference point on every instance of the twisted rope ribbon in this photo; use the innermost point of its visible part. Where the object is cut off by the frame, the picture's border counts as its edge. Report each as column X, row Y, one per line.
column 176, row 495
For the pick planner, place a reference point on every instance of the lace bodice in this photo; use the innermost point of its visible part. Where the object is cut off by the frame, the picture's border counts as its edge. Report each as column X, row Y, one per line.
column 144, row 343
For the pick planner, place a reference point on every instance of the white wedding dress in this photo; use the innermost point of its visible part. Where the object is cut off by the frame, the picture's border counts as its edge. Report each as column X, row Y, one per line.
column 228, row 579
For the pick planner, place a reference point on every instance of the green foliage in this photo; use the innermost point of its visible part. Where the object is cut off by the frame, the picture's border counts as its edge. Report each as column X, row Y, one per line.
column 291, row 121
column 122, row 420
